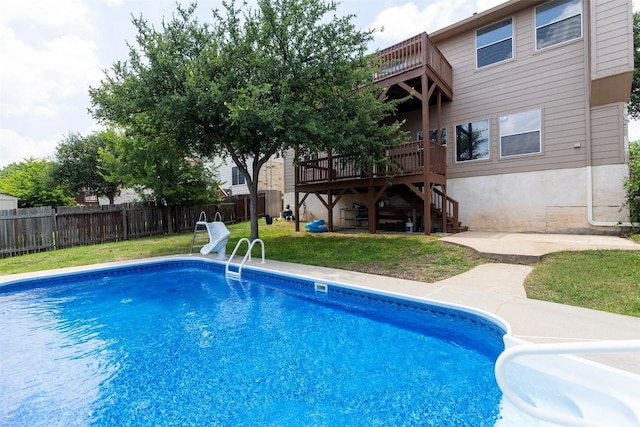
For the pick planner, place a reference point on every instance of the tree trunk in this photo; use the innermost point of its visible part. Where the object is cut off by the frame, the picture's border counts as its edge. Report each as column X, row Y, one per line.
column 253, row 208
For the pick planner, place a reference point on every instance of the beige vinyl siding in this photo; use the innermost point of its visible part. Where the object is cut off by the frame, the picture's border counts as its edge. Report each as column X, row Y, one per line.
column 607, row 134
column 611, row 37
column 289, row 172
column 552, row 80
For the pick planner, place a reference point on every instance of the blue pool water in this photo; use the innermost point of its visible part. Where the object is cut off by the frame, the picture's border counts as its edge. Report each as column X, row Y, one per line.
column 175, row 343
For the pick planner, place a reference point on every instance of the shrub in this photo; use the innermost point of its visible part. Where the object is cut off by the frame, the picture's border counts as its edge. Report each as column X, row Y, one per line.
column 632, row 183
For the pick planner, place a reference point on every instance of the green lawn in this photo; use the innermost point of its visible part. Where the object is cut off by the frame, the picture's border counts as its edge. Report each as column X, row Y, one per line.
column 603, row 280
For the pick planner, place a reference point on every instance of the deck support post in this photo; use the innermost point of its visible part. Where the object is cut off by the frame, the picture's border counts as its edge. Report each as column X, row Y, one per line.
column 426, row 153
column 296, row 207
column 330, row 205
column 439, row 142
column 371, row 207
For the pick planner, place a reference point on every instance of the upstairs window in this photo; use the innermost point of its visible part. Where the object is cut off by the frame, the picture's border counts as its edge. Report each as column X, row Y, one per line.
column 520, row 133
column 494, row 43
column 236, row 176
column 472, row 141
column 558, row 21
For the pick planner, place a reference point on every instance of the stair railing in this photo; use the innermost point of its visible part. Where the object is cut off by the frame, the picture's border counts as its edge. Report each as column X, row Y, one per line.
column 438, row 201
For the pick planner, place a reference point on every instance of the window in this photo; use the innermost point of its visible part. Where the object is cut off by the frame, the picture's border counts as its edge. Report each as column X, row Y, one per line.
column 237, row 177
column 472, row 141
column 558, row 21
column 443, row 135
column 494, row 43
column 520, row 133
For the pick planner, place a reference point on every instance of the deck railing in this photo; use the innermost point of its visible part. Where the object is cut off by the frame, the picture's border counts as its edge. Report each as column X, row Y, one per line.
column 413, row 53
column 406, row 159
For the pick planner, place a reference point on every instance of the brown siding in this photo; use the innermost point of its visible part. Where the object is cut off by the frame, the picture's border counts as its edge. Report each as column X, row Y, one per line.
column 611, row 37
column 552, row 80
column 607, row 134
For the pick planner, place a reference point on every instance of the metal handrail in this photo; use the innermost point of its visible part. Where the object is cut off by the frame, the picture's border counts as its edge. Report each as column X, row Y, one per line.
column 625, row 346
column 247, row 257
column 218, row 216
column 202, row 220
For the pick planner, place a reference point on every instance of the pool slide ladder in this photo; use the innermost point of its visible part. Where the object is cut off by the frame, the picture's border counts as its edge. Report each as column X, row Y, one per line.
column 210, row 236
column 200, row 229
column 237, row 274
column 553, row 416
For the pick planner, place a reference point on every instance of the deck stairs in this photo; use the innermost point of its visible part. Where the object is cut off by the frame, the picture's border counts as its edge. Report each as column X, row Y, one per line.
column 436, row 209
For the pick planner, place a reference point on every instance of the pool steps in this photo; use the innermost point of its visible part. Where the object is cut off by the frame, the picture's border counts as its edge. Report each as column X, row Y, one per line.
column 229, row 272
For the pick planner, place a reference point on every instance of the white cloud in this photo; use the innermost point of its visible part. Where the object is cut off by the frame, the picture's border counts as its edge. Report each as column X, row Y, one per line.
column 403, row 21
column 45, row 13
column 482, row 5
column 47, row 53
column 41, row 79
column 15, row 147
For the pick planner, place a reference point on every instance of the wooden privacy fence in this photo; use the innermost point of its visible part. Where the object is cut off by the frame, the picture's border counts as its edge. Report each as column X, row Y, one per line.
column 40, row 229
column 26, row 230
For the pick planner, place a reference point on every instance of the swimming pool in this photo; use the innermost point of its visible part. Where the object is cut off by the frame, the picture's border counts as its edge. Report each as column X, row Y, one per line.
column 173, row 342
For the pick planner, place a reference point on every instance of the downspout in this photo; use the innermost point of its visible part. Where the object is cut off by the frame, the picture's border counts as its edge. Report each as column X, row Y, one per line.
column 587, row 102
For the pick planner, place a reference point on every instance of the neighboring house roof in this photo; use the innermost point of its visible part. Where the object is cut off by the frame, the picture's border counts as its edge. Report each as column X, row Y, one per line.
column 8, row 197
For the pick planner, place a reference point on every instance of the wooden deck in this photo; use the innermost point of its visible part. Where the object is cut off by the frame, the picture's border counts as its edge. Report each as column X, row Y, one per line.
column 412, row 58
column 404, row 161
column 417, row 67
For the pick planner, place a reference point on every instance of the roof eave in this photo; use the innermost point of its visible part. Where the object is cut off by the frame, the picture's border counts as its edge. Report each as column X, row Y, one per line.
column 479, row 20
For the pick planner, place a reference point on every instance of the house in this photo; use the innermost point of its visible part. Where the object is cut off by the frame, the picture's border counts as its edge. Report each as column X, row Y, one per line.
column 8, row 202
column 86, row 198
column 523, row 110
column 270, row 181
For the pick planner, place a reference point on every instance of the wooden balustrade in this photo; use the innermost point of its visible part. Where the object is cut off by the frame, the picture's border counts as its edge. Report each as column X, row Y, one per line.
column 406, row 159
column 438, row 200
column 413, row 53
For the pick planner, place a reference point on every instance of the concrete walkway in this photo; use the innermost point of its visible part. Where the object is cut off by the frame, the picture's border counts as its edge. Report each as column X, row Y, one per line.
column 498, row 288
column 524, row 248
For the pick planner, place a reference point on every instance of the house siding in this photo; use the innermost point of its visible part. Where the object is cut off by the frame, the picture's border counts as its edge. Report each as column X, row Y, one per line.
column 552, row 80
column 607, row 134
column 271, row 176
column 8, row 202
column 289, row 174
column 611, row 38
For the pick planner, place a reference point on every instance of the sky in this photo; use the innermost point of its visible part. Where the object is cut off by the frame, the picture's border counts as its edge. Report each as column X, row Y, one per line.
column 52, row 52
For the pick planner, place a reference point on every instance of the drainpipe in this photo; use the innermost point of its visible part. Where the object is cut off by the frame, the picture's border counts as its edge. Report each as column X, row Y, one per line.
column 587, row 102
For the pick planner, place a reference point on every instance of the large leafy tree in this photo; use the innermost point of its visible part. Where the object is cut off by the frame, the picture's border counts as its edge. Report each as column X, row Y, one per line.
column 32, row 181
column 158, row 170
column 252, row 84
column 634, row 104
column 79, row 164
